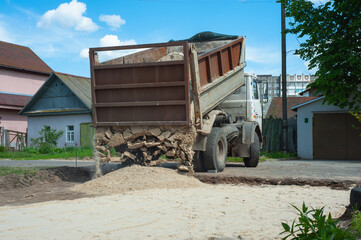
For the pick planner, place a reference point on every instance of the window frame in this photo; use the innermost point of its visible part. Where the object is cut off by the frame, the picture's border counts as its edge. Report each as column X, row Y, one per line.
column 69, row 134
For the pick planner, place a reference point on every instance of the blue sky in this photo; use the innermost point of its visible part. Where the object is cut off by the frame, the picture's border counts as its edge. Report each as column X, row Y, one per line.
column 60, row 32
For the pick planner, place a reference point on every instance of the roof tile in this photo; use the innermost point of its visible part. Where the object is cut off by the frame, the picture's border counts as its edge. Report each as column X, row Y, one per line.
column 14, row 100
column 275, row 108
column 22, row 58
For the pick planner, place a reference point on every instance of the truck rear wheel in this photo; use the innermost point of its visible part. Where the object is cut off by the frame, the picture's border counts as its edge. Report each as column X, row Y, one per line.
column 252, row 161
column 214, row 158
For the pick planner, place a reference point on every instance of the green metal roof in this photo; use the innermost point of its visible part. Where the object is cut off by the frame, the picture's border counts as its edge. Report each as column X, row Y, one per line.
column 79, row 85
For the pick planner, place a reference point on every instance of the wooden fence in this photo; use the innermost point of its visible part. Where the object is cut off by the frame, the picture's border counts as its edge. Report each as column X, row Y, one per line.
column 272, row 133
column 12, row 140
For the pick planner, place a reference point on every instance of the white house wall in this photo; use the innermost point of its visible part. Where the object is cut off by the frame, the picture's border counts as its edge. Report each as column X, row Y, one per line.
column 304, row 130
column 59, row 122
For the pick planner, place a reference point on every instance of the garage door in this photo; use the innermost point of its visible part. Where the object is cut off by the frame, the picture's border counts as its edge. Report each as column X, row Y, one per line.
column 336, row 136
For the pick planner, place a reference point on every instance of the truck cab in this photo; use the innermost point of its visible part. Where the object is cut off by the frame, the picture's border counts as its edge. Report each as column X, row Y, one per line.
column 245, row 103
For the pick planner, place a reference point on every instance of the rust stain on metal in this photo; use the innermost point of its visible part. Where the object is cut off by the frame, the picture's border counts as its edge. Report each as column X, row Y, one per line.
column 140, row 88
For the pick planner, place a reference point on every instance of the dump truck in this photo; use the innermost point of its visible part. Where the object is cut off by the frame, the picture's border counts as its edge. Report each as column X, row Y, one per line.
column 190, row 101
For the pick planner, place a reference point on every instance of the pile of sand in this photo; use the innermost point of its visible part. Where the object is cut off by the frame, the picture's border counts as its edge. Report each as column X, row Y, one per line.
column 137, row 178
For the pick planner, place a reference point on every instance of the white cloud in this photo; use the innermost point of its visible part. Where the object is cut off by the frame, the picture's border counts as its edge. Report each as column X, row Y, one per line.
column 4, row 35
column 312, row 70
column 113, row 40
column 262, row 55
column 108, row 41
column 68, row 15
column 113, row 21
column 319, row 1
column 84, row 53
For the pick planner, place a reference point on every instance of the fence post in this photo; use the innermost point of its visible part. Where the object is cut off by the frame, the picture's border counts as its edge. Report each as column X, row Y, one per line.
column 1, row 136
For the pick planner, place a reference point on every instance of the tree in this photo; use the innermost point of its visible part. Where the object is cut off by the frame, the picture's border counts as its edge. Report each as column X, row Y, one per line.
column 47, row 140
column 332, row 44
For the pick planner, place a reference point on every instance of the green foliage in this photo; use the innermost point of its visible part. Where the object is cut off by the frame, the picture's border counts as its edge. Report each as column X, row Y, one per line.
column 2, row 149
column 47, row 140
column 313, row 224
column 331, row 42
column 31, row 153
column 355, row 227
column 114, row 153
column 18, row 170
column 30, row 150
column 45, row 148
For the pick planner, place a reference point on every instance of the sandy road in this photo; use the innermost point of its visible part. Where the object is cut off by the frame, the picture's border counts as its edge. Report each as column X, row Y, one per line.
column 253, row 212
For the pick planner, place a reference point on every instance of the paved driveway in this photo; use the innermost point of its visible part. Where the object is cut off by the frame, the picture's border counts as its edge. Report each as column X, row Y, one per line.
column 278, row 169
column 307, row 169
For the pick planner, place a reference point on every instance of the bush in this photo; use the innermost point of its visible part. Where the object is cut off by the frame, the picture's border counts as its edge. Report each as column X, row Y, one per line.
column 46, row 148
column 313, row 224
column 48, row 139
column 2, row 149
column 30, row 150
column 355, row 227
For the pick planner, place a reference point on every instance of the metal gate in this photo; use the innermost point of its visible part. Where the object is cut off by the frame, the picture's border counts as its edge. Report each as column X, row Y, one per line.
column 336, row 136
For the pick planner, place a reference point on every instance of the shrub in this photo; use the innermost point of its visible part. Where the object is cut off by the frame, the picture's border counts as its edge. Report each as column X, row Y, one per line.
column 313, row 224
column 47, row 140
column 46, row 148
column 355, row 227
column 30, row 150
column 2, row 149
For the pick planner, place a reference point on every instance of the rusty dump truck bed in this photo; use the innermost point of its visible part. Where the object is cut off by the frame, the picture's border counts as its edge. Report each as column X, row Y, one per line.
column 165, row 84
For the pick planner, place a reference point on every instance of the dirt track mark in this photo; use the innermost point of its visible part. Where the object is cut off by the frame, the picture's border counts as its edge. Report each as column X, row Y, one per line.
column 339, row 184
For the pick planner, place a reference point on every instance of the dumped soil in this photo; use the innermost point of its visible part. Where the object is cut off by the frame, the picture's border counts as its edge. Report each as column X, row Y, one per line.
column 137, row 178
column 46, row 185
column 66, row 183
column 50, row 175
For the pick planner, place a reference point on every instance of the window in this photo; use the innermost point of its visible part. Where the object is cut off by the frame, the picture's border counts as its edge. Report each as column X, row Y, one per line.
column 255, row 90
column 70, row 133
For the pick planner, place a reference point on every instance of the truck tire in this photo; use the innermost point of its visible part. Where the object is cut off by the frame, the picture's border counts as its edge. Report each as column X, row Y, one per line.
column 355, row 198
column 215, row 156
column 198, row 162
column 252, row 161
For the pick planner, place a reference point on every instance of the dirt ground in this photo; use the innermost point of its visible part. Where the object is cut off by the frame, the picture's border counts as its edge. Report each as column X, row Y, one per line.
column 46, row 185
column 149, row 207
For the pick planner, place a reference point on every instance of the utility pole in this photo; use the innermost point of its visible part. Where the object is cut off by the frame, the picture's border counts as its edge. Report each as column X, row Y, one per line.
column 284, row 83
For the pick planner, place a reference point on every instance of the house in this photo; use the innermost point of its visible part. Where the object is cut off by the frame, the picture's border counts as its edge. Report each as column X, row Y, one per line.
column 272, row 127
column 310, row 92
column 62, row 103
column 22, row 73
column 273, row 86
column 275, row 108
column 327, row 131
column 10, row 105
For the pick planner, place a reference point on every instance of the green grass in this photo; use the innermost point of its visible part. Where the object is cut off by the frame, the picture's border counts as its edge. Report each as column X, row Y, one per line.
column 18, row 170
column 265, row 155
column 33, row 154
column 234, row 159
column 238, row 159
column 278, row 155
